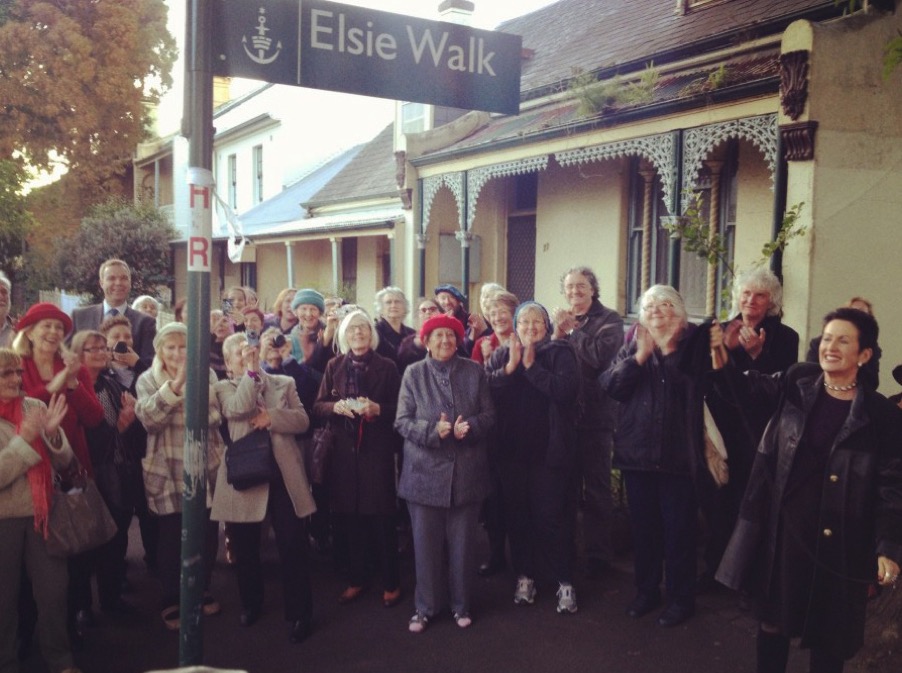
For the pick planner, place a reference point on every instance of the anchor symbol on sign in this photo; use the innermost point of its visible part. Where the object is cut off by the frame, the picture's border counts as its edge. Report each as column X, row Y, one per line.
column 261, row 43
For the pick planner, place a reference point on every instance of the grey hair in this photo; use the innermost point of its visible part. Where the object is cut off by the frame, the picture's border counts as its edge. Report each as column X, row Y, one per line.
column 590, row 276
column 229, row 344
column 759, row 278
column 143, row 298
column 487, row 293
column 664, row 293
column 385, row 291
column 346, row 322
column 4, row 280
column 507, row 299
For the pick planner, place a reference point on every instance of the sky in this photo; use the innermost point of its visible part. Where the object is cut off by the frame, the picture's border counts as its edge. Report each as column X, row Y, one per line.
column 488, row 13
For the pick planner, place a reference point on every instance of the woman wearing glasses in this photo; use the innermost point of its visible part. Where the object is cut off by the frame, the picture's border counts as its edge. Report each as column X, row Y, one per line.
column 358, row 397
column 412, row 349
column 658, row 437
column 114, row 462
column 32, row 445
column 392, row 308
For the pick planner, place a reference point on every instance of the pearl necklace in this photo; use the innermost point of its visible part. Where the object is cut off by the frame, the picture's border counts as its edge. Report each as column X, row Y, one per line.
column 841, row 389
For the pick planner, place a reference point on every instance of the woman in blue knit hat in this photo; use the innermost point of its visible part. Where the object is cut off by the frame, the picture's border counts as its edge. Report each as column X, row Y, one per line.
column 307, row 342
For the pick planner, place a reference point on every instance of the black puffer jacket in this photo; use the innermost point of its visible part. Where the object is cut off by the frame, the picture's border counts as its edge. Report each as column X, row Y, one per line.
column 660, row 425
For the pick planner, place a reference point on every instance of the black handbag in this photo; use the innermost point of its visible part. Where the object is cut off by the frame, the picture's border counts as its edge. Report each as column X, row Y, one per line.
column 79, row 519
column 250, row 461
column 323, row 443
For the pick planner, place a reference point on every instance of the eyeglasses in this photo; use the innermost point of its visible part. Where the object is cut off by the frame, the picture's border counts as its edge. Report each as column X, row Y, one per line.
column 428, row 309
column 6, row 373
column 660, row 306
column 96, row 349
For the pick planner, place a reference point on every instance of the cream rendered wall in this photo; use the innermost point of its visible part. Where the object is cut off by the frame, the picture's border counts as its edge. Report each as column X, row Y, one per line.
column 272, row 274
column 580, row 220
column 369, row 271
column 443, row 219
column 853, row 184
column 313, row 264
column 754, row 207
column 490, row 224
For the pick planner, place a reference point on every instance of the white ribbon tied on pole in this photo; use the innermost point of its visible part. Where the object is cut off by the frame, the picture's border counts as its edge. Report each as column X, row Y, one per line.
column 237, row 240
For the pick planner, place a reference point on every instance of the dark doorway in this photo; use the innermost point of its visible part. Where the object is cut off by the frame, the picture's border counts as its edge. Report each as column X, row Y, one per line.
column 521, row 256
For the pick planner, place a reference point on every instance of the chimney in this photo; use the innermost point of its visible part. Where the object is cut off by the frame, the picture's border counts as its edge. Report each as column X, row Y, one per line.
column 456, row 11
column 222, row 91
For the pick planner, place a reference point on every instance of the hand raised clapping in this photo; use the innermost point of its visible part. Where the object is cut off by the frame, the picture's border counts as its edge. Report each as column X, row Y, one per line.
column 563, row 320
column 444, row 427
column 737, row 334
column 37, row 419
column 516, row 354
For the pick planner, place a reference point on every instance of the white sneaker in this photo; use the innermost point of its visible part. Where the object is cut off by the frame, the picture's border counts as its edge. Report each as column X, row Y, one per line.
column 566, row 599
column 525, row 593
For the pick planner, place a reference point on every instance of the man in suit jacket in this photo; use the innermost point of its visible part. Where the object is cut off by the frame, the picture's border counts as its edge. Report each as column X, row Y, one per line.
column 116, row 283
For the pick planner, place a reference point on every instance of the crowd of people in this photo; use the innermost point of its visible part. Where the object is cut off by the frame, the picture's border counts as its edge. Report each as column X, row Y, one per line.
column 511, row 416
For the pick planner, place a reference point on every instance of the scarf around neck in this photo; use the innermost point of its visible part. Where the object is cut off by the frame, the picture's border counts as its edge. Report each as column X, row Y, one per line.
column 40, row 476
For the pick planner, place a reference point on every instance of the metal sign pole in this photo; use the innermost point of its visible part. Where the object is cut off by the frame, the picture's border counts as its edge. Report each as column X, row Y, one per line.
column 198, row 128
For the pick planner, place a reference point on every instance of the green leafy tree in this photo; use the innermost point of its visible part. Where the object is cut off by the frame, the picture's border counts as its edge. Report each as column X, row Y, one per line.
column 892, row 51
column 694, row 230
column 76, row 77
column 138, row 234
column 15, row 220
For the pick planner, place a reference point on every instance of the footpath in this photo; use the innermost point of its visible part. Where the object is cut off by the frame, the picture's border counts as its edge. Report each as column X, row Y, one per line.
column 365, row 637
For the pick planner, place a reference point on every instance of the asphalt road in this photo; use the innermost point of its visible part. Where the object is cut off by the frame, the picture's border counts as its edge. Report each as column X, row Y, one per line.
column 366, row 637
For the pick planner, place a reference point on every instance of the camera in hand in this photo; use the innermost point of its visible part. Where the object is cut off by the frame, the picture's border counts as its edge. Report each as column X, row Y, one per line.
column 253, row 337
column 278, row 341
column 355, row 405
column 226, row 306
column 120, row 347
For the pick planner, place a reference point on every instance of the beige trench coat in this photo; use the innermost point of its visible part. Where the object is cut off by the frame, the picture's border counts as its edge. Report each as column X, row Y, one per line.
column 238, row 401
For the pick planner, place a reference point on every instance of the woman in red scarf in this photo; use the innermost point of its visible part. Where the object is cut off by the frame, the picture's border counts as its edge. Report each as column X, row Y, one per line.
column 50, row 369
column 31, row 443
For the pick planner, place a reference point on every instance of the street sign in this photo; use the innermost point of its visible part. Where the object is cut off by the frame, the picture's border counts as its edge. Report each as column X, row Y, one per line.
column 327, row 45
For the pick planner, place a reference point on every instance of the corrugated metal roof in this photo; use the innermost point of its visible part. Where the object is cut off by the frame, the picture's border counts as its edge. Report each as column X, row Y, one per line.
column 386, row 216
column 286, row 205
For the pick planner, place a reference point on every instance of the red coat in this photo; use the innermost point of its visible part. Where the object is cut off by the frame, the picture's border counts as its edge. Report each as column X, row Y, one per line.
column 85, row 410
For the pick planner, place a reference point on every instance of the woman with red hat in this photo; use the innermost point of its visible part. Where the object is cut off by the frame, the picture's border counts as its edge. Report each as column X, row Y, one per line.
column 445, row 415
column 48, row 368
